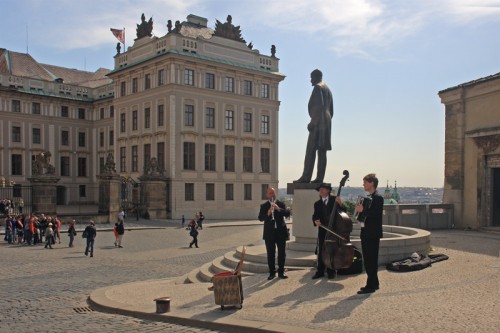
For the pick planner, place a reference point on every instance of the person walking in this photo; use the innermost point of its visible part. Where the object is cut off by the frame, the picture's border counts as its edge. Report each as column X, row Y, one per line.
column 71, row 232
column 201, row 218
column 193, row 232
column 371, row 233
column 90, row 234
column 183, row 221
column 273, row 213
column 49, row 235
column 120, row 231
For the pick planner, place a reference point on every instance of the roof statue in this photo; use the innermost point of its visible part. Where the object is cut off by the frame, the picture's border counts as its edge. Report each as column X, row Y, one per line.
column 228, row 30
column 109, row 167
column 273, row 51
column 169, row 25
column 145, row 28
column 41, row 165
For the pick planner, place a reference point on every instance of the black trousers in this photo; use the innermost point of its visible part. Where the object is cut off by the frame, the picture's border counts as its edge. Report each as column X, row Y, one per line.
column 310, row 159
column 274, row 241
column 370, row 248
column 321, row 265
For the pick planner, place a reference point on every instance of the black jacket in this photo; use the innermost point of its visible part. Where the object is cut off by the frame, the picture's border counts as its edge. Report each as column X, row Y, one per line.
column 373, row 222
column 279, row 216
column 322, row 213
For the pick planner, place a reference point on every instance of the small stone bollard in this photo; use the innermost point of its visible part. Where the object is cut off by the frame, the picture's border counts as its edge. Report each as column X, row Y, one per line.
column 162, row 304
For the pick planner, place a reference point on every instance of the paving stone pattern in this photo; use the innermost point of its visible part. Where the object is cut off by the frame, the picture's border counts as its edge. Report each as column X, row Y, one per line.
column 46, row 290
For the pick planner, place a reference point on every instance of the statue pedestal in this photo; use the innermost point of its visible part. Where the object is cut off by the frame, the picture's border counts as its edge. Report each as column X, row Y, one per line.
column 304, row 196
column 44, row 194
column 109, row 198
column 154, row 196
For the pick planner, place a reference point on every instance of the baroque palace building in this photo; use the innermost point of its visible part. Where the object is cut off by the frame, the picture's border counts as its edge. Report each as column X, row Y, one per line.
column 199, row 100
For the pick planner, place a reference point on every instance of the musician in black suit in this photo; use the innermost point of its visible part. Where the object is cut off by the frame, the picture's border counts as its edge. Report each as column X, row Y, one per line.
column 273, row 213
column 321, row 216
column 371, row 233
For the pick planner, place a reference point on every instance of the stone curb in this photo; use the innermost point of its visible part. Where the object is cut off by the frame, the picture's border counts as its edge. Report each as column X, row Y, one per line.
column 98, row 301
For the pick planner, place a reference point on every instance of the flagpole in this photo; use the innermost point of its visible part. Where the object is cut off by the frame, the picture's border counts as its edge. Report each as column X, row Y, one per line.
column 124, row 47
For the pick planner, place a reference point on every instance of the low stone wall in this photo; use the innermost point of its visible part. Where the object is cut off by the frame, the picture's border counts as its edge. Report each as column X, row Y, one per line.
column 428, row 216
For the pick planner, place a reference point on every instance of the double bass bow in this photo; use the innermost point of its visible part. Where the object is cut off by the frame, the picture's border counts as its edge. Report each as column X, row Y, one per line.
column 337, row 251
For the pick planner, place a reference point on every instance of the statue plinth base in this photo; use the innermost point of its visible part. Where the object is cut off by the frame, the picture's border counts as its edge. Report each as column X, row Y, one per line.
column 154, row 196
column 44, row 194
column 306, row 234
column 109, row 197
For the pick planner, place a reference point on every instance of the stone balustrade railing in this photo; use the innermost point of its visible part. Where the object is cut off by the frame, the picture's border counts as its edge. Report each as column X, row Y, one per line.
column 426, row 216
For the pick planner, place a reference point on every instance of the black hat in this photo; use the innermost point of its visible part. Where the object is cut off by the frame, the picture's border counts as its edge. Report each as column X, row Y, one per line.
column 325, row 185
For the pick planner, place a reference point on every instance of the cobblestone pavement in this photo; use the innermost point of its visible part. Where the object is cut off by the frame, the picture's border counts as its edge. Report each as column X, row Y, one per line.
column 46, row 290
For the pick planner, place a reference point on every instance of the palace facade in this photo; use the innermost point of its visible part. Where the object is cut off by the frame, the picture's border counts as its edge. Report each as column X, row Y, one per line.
column 201, row 102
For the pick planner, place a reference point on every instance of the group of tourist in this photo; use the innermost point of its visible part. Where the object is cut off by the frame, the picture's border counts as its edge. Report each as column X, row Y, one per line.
column 9, row 207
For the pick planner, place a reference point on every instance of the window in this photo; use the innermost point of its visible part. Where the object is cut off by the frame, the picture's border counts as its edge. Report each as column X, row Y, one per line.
column 65, row 169
column 229, row 120
column 247, row 192
column 82, row 190
column 229, row 191
column 122, row 122
column 64, row 138
column 147, row 118
column 264, row 124
column 82, row 167
column 247, row 159
column 210, row 118
column 81, row 113
column 160, row 148
column 247, row 87
column 111, row 137
column 36, row 136
column 101, row 164
column 16, row 134
column 101, row 113
column 210, row 157
column 210, row 192
column 229, row 84
column 111, row 111
column 264, row 160
column 134, row 120
column 123, row 159
column 101, row 139
column 81, row 139
column 189, row 162
column 16, row 105
column 263, row 191
column 17, row 164
column 188, row 115
column 161, row 115
column 134, row 159
column 264, row 90
column 209, row 81
column 247, row 122
column 147, row 154
column 134, row 85
column 161, row 77
column 35, row 108
column 189, row 77
column 229, row 158
column 64, row 111
column 147, row 81
column 123, row 88
column 189, row 192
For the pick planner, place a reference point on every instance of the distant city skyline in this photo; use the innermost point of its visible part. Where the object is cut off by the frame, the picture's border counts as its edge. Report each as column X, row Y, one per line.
column 385, row 62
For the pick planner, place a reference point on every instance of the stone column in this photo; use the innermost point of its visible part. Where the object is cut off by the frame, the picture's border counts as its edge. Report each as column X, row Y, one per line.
column 154, row 197
column 44, row 194
column 109, row 197
column 304, row 196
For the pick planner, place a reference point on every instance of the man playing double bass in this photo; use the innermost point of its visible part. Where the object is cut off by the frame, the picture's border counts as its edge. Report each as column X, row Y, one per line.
column 322, row 211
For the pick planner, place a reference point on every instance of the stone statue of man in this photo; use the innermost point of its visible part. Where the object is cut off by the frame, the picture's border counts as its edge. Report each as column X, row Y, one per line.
column 320, row 129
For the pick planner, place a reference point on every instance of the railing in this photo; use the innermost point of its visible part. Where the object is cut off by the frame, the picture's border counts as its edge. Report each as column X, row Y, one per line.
column 428, row 217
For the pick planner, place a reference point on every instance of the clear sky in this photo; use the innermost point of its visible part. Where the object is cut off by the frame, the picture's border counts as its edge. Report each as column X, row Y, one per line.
column 384, row 61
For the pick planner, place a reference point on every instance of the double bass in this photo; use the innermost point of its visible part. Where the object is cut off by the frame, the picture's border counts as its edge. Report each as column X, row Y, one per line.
column 337, row 251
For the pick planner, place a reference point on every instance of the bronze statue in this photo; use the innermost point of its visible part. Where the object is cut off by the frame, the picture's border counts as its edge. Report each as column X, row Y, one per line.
column 145, row 28
column 118, row 48
column 228, row 30
column 169, row 25
column 321, row 112
column 178, row 26
column 273, row 51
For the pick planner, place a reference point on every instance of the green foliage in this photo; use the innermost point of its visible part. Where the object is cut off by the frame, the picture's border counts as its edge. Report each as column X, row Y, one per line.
column 349, row 206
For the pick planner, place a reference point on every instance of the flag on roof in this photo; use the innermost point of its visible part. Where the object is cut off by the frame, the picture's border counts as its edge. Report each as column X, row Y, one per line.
column 119, row 34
